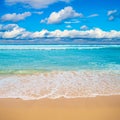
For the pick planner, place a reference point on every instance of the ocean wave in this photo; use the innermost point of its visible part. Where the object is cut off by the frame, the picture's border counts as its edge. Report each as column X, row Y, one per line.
column 56, row 84
column 54, row 47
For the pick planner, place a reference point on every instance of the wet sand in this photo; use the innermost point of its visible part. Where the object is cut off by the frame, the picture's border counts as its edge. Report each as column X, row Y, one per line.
column 98, row 108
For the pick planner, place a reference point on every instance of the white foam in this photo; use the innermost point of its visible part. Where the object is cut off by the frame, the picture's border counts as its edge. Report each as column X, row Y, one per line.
column 53, row 47
column 56, row 84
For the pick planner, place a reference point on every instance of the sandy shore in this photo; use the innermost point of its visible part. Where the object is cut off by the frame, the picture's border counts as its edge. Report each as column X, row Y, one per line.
column 99, row 108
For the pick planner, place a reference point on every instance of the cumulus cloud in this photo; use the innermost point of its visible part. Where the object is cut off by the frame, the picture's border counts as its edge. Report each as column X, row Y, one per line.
column 40, row 34
column 35, row 3
column 13, row 31
column 8, row 27
column 93, row 33
column 66, row 13
column 15, row 17
column 113, row 14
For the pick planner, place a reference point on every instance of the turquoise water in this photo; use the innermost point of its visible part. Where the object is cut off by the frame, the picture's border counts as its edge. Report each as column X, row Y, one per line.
column 58, row 57
column 53, row 71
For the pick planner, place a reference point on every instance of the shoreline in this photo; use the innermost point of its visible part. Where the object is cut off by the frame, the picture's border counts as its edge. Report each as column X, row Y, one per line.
column 58, row 84
column 96, row 108
column 62, row 97
column 44, row 71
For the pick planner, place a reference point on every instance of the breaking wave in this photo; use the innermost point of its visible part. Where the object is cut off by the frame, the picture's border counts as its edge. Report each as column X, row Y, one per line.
column 54, row 47
column 56, row 84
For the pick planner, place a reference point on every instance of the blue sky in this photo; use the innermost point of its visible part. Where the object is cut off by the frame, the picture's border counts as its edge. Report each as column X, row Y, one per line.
column 20, row 19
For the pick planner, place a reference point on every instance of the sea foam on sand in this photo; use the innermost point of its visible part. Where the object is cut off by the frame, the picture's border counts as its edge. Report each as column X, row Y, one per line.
column 56, row 84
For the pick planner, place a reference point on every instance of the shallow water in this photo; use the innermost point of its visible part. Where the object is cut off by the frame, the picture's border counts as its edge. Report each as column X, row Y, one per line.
column 58, row 57
column 53, row 71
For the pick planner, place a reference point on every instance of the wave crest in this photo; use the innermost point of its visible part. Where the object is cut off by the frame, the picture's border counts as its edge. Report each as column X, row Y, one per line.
column 54, row 47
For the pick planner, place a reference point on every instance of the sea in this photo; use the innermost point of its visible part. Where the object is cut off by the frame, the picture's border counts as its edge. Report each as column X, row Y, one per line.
column 31, row 72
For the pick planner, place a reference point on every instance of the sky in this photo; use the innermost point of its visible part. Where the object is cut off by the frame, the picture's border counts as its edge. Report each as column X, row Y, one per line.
column 34, row 19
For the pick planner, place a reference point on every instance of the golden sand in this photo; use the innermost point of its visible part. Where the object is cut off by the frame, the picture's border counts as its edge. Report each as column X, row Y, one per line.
column 99, row 108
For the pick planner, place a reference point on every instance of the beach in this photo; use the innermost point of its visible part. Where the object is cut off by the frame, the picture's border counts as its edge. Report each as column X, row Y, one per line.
column 59, row 60
column 60, row 82
column 94, row 108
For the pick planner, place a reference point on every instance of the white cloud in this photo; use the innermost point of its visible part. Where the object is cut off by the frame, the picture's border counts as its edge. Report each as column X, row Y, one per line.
column 73, row 21
column 111, row 18
column 15, row 17
column 66, row 13
column 8, row 27
column 39, row 34
column 68, row 26
column 13, row 31
column 39, row 13
column 93, row 15
column 35, row 3
column 93, row 33
column 43, row 21
column 113, row 14
column 84, row 27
